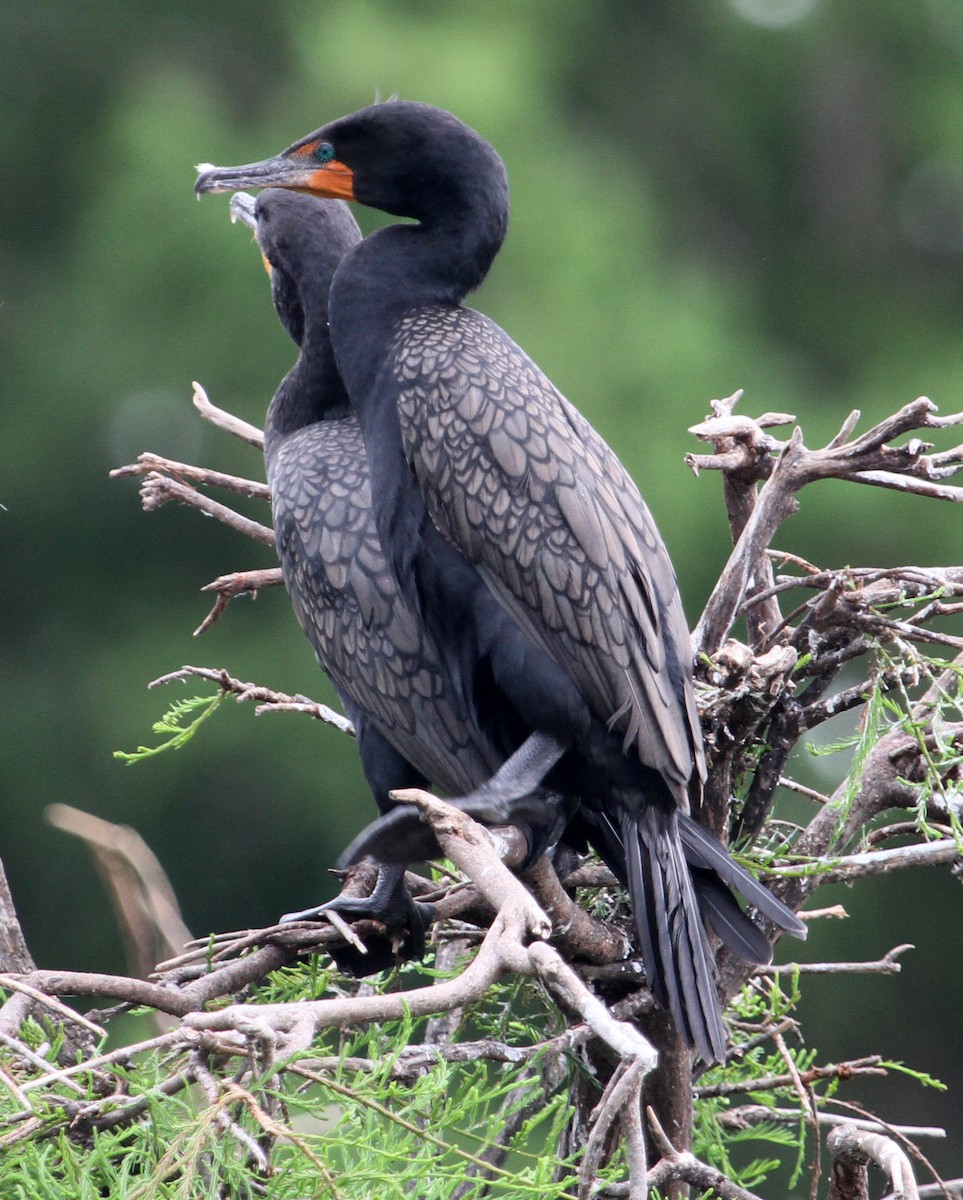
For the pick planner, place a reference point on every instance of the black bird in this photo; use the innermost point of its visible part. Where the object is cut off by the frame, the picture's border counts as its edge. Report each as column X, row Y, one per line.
column 410, row 731
column 513, row 528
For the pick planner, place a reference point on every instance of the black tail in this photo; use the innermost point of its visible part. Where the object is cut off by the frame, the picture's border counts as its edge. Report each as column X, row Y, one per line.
column 713, row 868
column 678, row 875
column 668, row 920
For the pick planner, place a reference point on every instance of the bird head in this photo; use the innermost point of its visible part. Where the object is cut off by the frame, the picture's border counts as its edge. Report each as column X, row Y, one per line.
column 404, row 158
column 302, row 240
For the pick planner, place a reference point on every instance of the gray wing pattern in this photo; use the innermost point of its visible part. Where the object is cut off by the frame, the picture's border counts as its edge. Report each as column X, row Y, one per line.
column 525, row 487
column 346, row 601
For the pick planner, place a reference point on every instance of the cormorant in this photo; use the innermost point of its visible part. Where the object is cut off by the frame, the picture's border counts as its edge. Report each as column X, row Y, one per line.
column 518, row 535
column 410, row 731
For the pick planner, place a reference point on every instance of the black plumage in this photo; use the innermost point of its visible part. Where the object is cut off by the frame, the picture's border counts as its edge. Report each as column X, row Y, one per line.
column 519, row 537
column 410, row 730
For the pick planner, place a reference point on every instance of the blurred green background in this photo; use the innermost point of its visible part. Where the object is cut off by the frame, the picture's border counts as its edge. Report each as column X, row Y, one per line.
column 764, row 194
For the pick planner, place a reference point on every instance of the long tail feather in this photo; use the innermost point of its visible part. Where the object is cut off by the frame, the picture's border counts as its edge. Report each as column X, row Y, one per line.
column 705, row 851
column 669, row 924
column 721, row 909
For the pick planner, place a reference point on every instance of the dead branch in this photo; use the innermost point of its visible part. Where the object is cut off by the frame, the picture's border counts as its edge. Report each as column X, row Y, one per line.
column 885, row 781
column 44, row 986
column 851, row 1149
column 149, row 463
column 621, row 1100
column 14, row 955
column 222, row 419
column 950, row 1189
column 144, row 901
column 267, row 699
column 685, row 1167
column 167, row 480
column 296, row 1024
column 843, row 458
column 120, row 1056
column 237, row 583
column 754, row 1114
column 887, row 965
column 39, row 1063
column 883, row 862
column 158, row 490
column 768, row 1083
column 504, row 949
column 577, row 934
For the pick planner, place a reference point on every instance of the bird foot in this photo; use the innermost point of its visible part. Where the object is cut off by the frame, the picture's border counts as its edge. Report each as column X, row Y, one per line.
column 390, row 903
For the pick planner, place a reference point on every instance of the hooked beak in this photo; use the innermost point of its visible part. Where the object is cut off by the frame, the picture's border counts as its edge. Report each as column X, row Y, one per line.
column 297, row 172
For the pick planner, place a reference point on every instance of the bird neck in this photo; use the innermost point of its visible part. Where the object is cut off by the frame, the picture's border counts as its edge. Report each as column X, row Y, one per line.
column 311, row 391
column 398, row 270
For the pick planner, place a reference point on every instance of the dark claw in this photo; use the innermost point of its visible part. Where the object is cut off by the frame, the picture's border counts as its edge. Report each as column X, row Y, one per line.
column 393, row 906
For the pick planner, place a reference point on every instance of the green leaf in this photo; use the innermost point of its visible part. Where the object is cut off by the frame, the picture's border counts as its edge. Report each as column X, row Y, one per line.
column 172, row 723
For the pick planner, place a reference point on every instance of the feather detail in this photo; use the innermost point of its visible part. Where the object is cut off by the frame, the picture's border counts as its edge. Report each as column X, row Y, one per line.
column 669, row 925
column 705, row 851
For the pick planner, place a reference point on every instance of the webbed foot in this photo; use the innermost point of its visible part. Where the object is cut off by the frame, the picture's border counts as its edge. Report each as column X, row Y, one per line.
column 391, row 904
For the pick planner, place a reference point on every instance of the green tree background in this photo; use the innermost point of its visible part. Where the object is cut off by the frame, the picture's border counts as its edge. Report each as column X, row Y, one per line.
column 754, row 193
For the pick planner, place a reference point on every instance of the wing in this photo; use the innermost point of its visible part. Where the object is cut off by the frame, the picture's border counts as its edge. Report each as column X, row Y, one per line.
column 346, row 601
column 516, row 478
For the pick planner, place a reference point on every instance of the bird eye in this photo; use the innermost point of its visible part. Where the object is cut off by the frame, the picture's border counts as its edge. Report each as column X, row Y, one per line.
column 324, row 152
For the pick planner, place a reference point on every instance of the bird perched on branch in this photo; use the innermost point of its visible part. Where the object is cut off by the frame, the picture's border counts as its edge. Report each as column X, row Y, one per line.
column 520, row 539
column 411, row 731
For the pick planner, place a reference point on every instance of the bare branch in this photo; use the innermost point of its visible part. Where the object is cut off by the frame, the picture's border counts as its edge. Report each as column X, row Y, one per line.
column 14, row 955
column 755, row 1114
column 767, row 1083
column 144, row 901
column 887, row 965
column 851, row 1149
column 43, row 986
column 121, row 1055
column 949, row 1188
column 39, row 1063
column 748, row 568
column 227, row 421
column 267, row 699
column 150, row 464
column 884, row 862
column 684, row 1166
column 237, row 583
column 158, row 490
column 622, row 1096
column 574, row 931
column 503, row 949
column 470, row 848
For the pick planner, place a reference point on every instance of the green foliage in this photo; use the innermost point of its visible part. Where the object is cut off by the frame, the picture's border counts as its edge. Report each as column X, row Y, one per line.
column 889, row 708
column 345, row 1130
column 198, row 708
column 352, row 1118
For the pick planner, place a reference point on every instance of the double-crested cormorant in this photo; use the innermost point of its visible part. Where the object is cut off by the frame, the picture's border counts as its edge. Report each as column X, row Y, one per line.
column 410, row 731
column 513, row 528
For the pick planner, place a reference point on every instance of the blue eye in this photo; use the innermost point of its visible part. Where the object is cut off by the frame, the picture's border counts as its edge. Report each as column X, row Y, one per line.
column 324, row 152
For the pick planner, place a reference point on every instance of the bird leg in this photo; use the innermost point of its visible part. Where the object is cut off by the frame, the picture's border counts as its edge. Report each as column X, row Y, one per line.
column 514, row 788
column 512, row 796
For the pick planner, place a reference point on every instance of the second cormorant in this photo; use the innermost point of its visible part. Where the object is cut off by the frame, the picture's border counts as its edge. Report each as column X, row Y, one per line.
column 410, row 731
